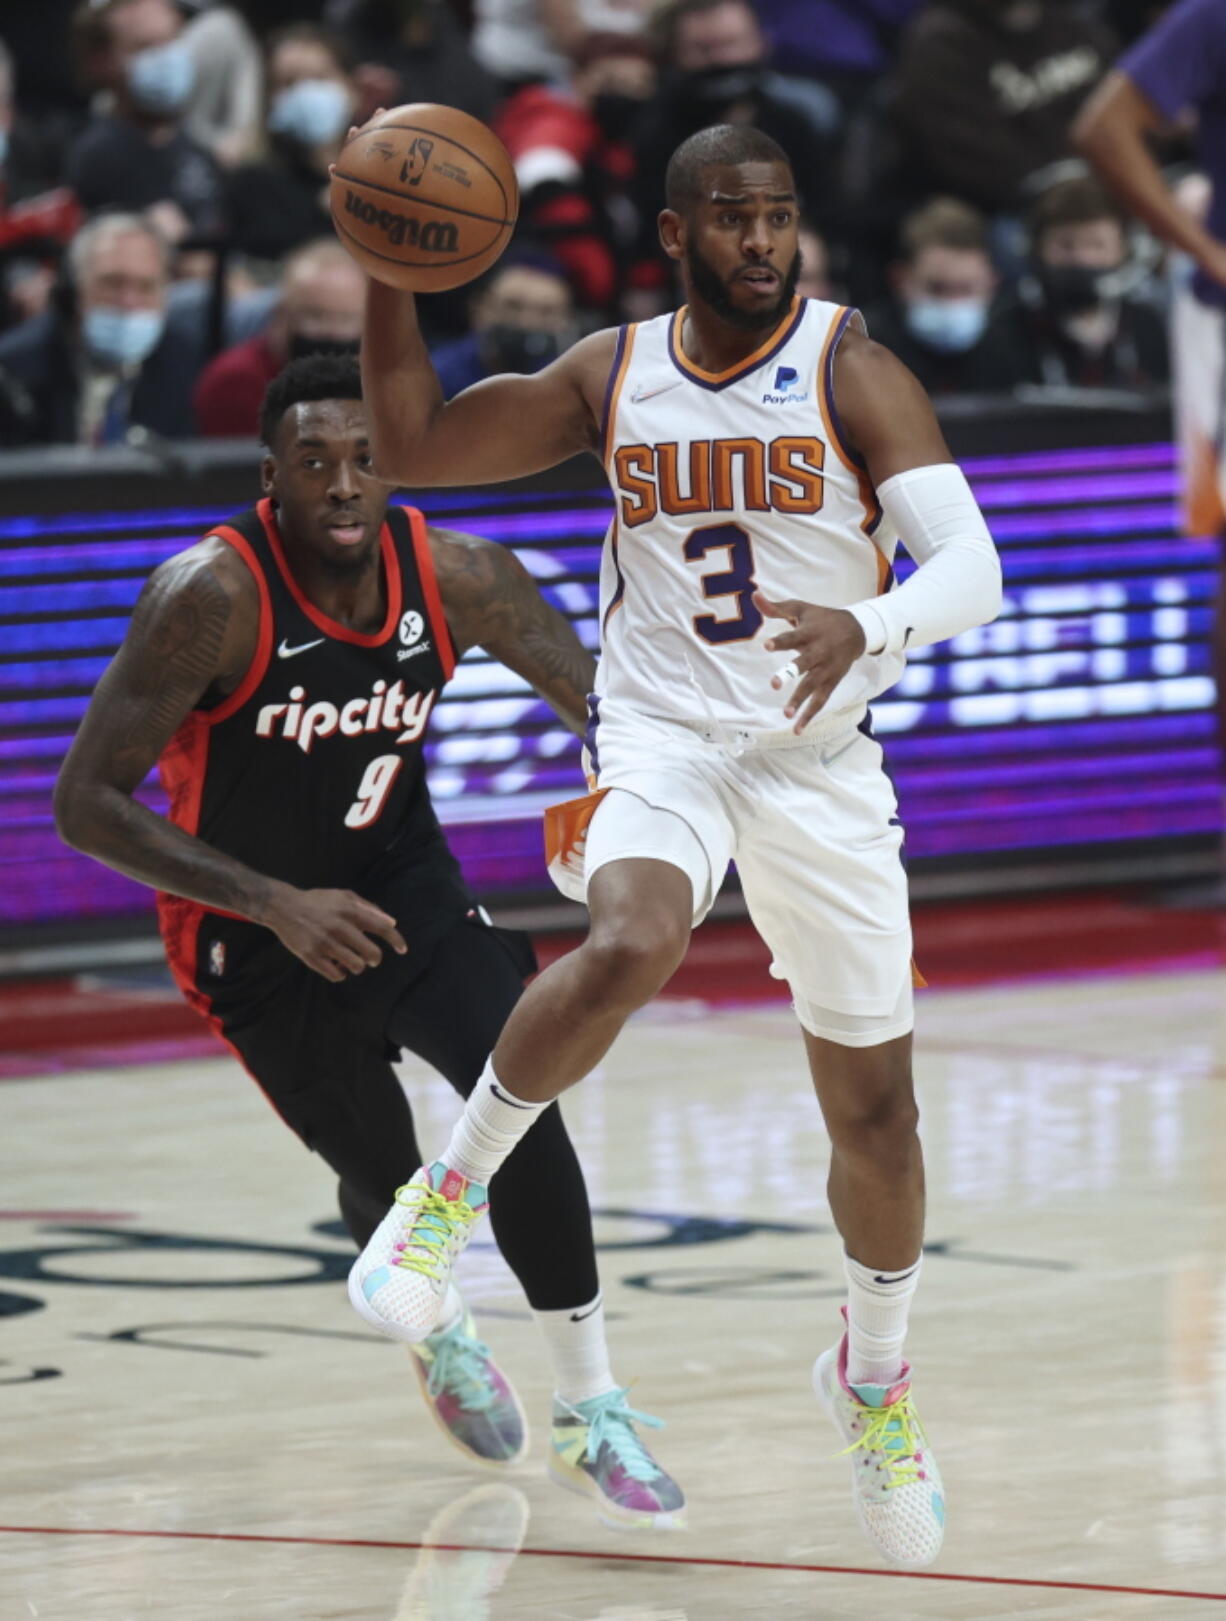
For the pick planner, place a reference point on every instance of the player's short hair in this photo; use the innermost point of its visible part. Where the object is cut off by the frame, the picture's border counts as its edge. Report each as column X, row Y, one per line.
column 1076, row 201
column 314, row 377
column 943, row 223
column 716, row 147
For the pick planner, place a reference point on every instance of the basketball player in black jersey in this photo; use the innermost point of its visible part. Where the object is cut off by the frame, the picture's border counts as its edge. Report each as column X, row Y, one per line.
column 282, row 672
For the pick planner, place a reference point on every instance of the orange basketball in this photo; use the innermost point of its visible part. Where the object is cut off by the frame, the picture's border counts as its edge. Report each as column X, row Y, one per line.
column 425, row 199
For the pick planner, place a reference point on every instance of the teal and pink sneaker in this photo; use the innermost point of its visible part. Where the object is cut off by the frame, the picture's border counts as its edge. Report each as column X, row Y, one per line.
column 896, row 1485
column 472, row 1400
column 594, row 1450
column 399, row 1281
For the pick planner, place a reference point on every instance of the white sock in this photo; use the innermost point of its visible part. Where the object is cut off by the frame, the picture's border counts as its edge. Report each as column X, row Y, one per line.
column 492, row 1123
column 877, row 1307
column 578, row 1350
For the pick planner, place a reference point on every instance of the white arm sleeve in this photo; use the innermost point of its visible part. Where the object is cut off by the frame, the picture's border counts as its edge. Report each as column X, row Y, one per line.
column 957, row 583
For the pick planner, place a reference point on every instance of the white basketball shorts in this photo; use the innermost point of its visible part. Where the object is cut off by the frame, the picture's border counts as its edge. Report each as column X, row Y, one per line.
column 813, row 827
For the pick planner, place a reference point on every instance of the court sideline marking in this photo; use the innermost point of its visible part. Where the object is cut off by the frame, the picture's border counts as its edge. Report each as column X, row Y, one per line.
column 604, row 1554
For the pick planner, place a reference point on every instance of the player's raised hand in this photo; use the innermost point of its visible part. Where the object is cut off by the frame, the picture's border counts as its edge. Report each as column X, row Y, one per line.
column 824, row 643
column 330, row 930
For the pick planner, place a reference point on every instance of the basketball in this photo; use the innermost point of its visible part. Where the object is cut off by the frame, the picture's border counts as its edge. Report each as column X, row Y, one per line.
column 425, row 199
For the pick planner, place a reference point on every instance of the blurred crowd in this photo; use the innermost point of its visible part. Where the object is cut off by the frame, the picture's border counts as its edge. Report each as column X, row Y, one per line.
column 165, row 245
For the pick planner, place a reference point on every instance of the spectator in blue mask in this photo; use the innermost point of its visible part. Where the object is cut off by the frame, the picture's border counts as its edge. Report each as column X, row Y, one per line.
column 138, row 155
column 281, row 201
column 104, row 358
column 938, row 321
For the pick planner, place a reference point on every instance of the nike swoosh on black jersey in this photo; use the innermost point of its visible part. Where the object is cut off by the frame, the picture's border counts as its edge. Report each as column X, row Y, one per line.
column 285, row 651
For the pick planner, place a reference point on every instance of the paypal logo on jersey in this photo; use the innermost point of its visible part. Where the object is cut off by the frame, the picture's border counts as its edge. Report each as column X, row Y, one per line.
column 787, row 379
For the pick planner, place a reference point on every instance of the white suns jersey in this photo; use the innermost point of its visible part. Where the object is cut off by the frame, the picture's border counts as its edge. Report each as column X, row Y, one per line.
column 724, row 484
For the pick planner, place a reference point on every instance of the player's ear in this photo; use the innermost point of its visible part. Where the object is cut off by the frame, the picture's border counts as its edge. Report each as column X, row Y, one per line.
column 672, row 233
column 268, row 475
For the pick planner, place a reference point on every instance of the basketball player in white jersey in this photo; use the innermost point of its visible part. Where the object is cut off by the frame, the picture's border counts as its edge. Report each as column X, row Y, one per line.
column 765, row 457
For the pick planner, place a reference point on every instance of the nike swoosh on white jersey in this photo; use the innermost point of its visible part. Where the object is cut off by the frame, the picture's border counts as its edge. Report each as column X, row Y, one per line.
column 641, row 393
column 285, row 651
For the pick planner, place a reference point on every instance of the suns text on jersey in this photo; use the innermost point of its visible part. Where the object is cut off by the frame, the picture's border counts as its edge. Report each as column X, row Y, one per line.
column 723, row 475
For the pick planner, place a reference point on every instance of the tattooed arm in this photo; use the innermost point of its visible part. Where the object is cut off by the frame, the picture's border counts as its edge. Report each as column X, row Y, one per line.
column 491, row 601
column 193, row 633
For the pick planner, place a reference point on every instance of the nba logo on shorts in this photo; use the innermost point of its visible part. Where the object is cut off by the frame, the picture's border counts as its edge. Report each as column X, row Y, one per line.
column 414, row 166
column 217, row 958
column 786, row 377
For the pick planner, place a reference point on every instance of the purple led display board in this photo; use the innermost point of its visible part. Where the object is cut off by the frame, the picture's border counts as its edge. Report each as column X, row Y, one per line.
column 1081, row 717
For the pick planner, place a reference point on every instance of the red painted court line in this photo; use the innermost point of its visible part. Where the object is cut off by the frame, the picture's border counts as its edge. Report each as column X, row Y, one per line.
column 603, row 1554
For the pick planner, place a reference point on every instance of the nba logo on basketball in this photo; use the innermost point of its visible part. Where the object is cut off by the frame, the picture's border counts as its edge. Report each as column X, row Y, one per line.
column 217, row 958
column 414, row 165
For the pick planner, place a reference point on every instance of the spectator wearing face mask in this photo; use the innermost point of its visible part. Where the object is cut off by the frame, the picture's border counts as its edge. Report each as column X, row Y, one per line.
column 715, row 70
column 938, row 319
column 319, row 311
column 103, row 358
column 1076, row 316
column 571, row 146
column 281, row 201
column 138, row 155
column 522, row 319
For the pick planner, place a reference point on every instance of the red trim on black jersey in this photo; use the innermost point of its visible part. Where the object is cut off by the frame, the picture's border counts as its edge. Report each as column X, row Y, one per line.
column 182, row 766
column 430, row 591
column 343, row 633
column 179, row 922
column 258, row 667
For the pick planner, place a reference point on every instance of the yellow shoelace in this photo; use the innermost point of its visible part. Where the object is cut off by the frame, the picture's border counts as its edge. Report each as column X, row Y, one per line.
column 893, row 1432
column 430, row 1231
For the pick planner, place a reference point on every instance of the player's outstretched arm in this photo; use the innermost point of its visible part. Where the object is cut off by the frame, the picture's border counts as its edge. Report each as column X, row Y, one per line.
column 892, row 428
column 491, row 601
column 194, row 628
column 502, row 428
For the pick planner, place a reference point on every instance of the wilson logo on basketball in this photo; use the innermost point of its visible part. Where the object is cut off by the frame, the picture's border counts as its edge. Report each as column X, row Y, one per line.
column 414, row 165
column 431, row 236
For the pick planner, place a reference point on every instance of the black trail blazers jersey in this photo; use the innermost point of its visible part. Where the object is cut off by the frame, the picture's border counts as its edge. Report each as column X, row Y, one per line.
column 311, row 771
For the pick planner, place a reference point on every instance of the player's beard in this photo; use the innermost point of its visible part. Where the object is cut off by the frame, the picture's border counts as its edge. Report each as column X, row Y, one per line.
column 713, row 290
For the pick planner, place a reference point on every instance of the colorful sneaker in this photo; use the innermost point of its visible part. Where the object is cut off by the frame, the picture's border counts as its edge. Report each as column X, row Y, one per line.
column 398, row 1281
column 896, row 1485
column 466, row 1555
column 470, row 1397
column 594, row 1450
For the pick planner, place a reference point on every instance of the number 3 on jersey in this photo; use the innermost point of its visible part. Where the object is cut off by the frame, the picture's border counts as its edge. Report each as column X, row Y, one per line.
column 735, row 581
column 373, row 790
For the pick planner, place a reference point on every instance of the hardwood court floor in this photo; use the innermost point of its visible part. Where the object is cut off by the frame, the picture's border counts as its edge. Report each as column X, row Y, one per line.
column 196, row 1426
